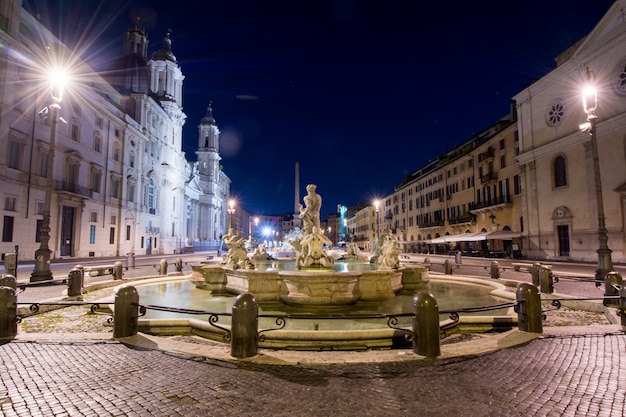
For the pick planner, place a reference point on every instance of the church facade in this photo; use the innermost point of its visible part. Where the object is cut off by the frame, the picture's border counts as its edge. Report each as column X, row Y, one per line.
column 121, row 182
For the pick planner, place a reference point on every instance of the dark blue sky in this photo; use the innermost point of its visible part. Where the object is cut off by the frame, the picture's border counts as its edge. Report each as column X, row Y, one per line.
column 360, row 93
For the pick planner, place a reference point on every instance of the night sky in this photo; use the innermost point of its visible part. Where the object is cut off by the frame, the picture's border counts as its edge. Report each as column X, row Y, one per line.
column 360, row 93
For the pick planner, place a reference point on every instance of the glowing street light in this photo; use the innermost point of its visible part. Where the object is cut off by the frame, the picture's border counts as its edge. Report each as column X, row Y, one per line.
column 58, row 79
column 590, row 104
column 231, row 211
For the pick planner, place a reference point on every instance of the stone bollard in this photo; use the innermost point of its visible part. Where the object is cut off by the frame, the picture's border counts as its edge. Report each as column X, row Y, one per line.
column 622, row 307
column 8, row 312
column 546, row 283
column 126, row 312
column 447, row 267
column 610, row 279
column 75, row 282
column 178, row 265
column 529, row 315
column 118, row 270
column 534, row 273
column 7, row 280
column 426, row 339
column 10, row 263
column 495, row 270
column 163, row 267
column 130, row 260
column 244, row 327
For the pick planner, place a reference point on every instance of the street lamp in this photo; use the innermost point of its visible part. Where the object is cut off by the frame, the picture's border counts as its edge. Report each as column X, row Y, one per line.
column 590, row 103
column 42, row 272
column 231, row 211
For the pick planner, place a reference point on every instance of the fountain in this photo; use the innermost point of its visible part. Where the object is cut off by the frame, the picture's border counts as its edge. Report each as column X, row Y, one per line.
column 314, row 280
column 313, row 283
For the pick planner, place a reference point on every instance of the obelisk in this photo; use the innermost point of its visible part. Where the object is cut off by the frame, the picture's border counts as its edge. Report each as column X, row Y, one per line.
column 296, row 202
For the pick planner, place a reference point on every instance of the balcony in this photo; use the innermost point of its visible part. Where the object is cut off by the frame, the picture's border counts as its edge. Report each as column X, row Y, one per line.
column 488, row 155
column 435, row 223
column 491, row 202
column 153, row 230
column 67, row 187
column 489, row 177
column 464, row 218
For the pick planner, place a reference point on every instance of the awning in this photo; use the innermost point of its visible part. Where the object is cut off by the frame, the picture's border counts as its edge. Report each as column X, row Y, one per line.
column 474, row 237
column 464, row 237
column 504, row 235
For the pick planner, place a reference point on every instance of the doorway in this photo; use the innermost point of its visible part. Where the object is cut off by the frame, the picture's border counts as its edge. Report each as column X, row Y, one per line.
column 563, row 231
column 67, row 230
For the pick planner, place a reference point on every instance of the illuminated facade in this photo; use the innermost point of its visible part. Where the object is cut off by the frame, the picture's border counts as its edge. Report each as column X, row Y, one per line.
column 120, row 176
column 556, row 158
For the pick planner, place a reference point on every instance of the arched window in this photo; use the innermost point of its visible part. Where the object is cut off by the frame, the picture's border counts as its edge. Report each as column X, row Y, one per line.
column 560, row 171
column 150, row 194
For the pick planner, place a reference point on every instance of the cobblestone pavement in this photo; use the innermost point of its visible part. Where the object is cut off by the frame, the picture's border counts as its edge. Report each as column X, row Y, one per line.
column 568, row 375
column 572, row 372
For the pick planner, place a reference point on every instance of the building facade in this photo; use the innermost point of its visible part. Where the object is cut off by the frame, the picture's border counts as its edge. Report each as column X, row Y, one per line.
column 467, row 199
column 119, row 176
column 560, row 203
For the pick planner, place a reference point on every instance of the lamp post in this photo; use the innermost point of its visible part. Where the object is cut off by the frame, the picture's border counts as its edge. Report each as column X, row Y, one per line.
column 42, row 270
column 590, row 103
column 231, row 211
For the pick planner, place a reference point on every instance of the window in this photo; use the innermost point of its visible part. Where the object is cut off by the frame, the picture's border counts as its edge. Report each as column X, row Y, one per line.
column 75, row 132
column 555, row 113
column 97, row 142
column 128, row 232
column 130, row 192
column 113, row 219
column 39, row 208
column 112, row 235
column 115, row 187
column 73, row 174
column 93, row 216
column 502, row 161
column 150, row 194
column 10, row 203
column 7, row 229
column 96, row 180
column 99, row 122
column 92, row 233
column 14, row 154
column 517, row 184
column 116, row 151
column 560, row 171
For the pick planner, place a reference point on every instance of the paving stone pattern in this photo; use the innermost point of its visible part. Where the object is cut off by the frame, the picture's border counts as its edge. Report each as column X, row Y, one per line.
column 568, row 375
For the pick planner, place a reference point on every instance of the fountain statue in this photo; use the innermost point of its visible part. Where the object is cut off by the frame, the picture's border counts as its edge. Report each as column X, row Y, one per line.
column 315, row 279
column 353, row 252
column 387, row 253
column 260, row 253
column 236, row 256
column 310, row 250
